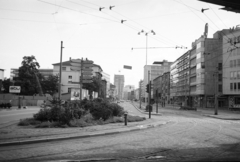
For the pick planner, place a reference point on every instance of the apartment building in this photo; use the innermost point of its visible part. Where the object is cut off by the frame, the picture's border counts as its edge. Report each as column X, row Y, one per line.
column 161, row 88
column 231, row 68
column 106, row 77
column 156, row 69
column 70, row 78
column 141, row 90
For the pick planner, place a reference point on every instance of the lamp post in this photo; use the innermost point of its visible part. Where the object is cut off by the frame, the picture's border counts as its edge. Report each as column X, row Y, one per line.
column 146, row 34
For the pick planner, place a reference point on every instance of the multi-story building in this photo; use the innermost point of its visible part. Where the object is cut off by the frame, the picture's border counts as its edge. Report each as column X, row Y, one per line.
column 201, row 70
column 231, row 68
column 157, row 69
column 112, row 92
column 161, row 88
column 119, row 83
column 71, row 78
column 179, row 79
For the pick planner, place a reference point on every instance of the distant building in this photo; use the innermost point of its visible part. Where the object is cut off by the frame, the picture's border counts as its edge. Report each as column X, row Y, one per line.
column 126, row 90
column 142, row 90
column 1, row 79
column 119, row 83
column 156, row 69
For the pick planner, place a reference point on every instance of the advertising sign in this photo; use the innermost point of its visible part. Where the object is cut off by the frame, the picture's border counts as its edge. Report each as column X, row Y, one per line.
column 14, row 89
column 75, row 94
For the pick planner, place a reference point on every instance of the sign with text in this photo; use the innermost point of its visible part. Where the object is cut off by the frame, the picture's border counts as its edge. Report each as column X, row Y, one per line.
column 127, row 67
column 14, row 89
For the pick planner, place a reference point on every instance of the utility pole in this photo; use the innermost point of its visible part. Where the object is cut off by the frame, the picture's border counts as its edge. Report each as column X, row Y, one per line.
column 216, row 92
column 149, row 95
column 156, row 101
column 60, row 73
column 81, row 78
column 140, row 95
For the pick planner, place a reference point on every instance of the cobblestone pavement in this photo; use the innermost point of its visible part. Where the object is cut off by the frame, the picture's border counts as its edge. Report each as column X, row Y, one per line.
column 189, row 136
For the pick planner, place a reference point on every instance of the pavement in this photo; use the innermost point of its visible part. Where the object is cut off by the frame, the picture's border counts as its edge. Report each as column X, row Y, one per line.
column 11, row 134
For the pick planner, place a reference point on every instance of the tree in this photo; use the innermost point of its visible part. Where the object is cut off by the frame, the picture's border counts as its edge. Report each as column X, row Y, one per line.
column 50, row 84
column 29, row 76
column 94, row 86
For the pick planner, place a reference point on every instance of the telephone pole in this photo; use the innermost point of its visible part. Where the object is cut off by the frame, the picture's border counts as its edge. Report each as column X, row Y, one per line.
column 60, row 73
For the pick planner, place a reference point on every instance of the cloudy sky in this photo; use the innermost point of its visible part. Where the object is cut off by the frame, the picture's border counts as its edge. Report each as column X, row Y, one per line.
column 37, row 27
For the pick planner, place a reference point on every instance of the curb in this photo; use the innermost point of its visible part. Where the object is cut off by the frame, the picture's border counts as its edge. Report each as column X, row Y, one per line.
column 140, row 127
column 222, row 118
column 143, row 112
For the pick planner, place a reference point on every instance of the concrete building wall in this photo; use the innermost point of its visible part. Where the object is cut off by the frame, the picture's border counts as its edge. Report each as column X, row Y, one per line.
column 119, row 83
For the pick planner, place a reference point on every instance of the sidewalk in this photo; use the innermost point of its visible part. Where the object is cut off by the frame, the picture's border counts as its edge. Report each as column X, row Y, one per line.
column 223, row 114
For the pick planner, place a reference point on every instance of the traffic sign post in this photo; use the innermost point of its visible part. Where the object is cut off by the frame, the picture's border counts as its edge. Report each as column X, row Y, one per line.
column 85, row 68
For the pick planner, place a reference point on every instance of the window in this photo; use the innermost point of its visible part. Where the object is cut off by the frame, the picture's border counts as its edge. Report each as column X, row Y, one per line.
column 199, row 45
column 235, row 74
column 234, row 63
column 231, row 75
column 219, row 66
column 199, row 55
column 69, row 90
column 219, row 77
column 231, row 86
column 220, row 88
column 238, row 74
column 238, row 85
column 238, row 62
column 235, row 86
column 64, row 68
column 69, row 77
column 231, row 63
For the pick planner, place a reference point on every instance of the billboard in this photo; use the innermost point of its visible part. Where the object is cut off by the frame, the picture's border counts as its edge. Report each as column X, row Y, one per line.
column 75, row 94
column 14, row 89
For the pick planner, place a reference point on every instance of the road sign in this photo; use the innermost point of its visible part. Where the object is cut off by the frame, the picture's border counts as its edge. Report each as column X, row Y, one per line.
column 75, row 64
column 75, row 68
column 87, row 81
column 87, row 65
column 87, row 73
column 127, row 67
column 87, row 62
column 14, row 89
column 87, row 69
column 87, row 77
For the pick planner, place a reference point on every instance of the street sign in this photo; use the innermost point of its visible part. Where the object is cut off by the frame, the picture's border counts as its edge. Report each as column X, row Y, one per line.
column 87, row 81
column 87, row 73
column 14, row 89
column 87, row 65
column 87, row 77
column 87, row 69
column 75, row 68
column 87, row 62
column 127, row 67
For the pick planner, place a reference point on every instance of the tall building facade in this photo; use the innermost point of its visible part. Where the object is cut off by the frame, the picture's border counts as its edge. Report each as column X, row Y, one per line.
column 231, row 68
column 119, row 83
column 141, row 90
column 156, row 69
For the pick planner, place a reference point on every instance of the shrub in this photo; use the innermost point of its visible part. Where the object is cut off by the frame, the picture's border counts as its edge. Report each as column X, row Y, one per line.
column 28, row 121
column 117, row 110
column 43, row 115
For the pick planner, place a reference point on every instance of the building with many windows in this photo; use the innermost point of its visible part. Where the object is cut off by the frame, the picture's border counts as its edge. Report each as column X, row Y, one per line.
column 231, row 68
column 155, row 70
column 119, row 83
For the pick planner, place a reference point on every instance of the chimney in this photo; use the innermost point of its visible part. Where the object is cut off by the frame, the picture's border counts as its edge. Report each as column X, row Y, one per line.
column 70, row 58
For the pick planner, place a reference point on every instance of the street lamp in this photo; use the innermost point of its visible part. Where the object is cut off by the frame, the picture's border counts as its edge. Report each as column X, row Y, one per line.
column 146, row 34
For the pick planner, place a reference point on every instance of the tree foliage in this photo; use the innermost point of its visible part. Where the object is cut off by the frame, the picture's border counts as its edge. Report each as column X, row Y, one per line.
column 94, row 86
column 50, row 84
column 29, row 76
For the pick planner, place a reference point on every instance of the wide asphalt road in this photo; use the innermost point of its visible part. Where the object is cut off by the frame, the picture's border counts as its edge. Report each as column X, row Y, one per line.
column 187, row 137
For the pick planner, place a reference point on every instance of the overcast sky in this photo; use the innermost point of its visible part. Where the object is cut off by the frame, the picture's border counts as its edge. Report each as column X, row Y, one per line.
column 37, row 27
